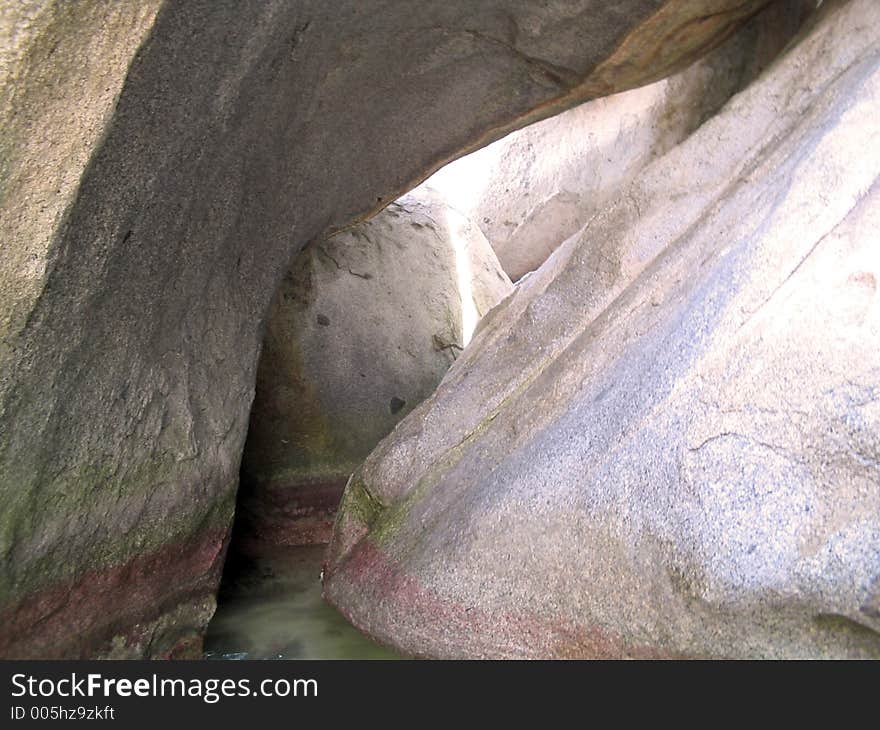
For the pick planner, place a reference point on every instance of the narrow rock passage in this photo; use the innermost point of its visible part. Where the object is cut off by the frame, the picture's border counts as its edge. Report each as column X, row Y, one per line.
column 161, row 165
column 368, row 321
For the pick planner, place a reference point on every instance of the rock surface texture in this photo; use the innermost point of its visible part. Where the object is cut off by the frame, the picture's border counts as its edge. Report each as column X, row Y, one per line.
column 540, row 185
column 363, row 329
column 161, row 164
column 670, row 445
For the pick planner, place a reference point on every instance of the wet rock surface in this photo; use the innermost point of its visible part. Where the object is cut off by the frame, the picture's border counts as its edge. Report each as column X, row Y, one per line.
column 688, row 465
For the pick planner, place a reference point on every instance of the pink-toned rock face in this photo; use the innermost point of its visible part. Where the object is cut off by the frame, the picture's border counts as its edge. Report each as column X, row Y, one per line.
column 162, row 162
column 665, row 442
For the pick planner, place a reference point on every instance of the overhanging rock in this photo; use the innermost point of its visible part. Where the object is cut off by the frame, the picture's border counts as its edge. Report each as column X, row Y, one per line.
column 161, row 163
column 665, row 443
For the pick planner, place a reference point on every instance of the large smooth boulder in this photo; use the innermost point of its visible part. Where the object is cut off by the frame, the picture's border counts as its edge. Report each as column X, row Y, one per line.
column 161, row 165
column 665, row 442
column 538, row 186
column 364, row 327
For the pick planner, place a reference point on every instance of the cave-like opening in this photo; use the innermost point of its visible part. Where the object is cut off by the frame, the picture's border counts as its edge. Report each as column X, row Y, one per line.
column 367, row 323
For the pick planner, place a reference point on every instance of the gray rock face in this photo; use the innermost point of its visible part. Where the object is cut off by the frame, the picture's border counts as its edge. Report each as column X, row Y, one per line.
column 538, row 186
column 670, row 446
column 363, row 329
column 161, row 165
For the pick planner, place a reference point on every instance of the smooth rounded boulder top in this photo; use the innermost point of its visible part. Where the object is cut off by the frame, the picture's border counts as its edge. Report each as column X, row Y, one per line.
column 162, row 163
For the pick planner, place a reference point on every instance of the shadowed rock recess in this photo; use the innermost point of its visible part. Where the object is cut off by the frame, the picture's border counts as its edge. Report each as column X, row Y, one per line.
column 161, row 164
column 363, row 329
column 665, row 443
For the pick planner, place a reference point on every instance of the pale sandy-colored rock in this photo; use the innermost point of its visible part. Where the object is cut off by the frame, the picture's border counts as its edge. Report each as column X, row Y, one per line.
column 670, row 440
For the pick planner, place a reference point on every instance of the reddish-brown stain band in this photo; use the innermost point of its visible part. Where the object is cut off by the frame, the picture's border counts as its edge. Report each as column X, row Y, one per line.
column 421, row 618
column 80, row 617
column 288, row 514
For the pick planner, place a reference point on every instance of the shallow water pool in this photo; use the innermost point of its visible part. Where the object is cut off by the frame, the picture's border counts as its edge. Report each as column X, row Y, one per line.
column 270, row 607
